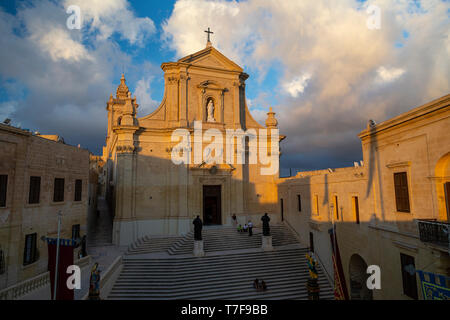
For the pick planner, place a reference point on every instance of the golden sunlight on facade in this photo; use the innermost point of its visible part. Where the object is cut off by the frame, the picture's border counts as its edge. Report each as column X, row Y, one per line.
column 391, row 210
column 150, row 194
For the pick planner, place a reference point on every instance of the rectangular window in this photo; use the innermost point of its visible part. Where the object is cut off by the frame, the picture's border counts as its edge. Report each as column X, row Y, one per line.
column 355, row 208
column 30, row 251
column 35, row 189
column 401, row 192
column 336, row 208
column 3, row 189
column 75, row 231
column 316, row 204
column 58, row 191
column 409, row 276
column 299, row 201
column 78, row 189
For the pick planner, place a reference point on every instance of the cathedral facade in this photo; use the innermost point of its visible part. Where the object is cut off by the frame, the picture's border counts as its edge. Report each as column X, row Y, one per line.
column 149, row 192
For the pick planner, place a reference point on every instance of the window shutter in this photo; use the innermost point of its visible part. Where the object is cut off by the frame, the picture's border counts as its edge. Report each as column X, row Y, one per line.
column 401, row 192
column 3, row 189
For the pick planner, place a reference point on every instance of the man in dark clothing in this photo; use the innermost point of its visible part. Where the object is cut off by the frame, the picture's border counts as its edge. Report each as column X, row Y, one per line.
column 265, row 221
column 197, row 228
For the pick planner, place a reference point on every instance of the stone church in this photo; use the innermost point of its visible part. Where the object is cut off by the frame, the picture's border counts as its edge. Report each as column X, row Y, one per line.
column 150, row 194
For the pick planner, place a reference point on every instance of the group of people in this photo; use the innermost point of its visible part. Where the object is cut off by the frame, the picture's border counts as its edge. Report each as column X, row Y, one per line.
column 259, row 286
column 246, row 228
column 249, row 227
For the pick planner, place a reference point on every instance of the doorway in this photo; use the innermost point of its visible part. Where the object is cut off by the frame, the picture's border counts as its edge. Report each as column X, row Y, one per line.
column 447, row 199
column 212, row 205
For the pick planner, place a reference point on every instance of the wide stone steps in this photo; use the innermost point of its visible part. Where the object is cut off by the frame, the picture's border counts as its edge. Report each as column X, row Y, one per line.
column 227, row 238
column 228, row 276
column 151, row 244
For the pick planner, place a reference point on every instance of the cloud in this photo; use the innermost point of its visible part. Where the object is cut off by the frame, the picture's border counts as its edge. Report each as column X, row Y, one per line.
column 297, row 85
column 330, row 40
column 389, row 75
column 58, row 80
column 143, row 96
column 106, row 17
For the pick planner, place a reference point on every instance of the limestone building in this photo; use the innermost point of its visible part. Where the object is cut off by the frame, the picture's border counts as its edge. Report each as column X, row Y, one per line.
column 390, row 210
column 148, row 192
column 39, row 177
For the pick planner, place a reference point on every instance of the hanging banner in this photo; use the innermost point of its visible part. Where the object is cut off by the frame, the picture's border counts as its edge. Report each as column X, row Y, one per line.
column 340, row 287
column 434, row 286
column 65, row 259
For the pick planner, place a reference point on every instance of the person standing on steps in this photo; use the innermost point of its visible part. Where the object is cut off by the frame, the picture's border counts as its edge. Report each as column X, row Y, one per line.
column 198, row 224
column 265, row 224
column 250, row 228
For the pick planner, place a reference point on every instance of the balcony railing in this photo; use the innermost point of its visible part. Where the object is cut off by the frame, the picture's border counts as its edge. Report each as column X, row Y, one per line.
column 435, row 232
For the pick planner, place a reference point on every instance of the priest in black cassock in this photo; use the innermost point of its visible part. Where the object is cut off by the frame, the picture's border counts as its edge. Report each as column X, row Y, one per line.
column 265, row 224
column 198, row 224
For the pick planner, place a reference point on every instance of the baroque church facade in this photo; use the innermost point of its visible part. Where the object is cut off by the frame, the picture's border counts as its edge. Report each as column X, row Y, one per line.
column 148, row 192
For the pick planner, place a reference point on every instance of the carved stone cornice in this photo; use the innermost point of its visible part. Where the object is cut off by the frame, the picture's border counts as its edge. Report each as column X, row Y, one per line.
column 122, row 149
column 173, row 79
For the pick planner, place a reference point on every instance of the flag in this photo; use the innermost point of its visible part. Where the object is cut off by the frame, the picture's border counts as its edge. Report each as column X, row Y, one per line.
column 434, row 286
column 65, row 259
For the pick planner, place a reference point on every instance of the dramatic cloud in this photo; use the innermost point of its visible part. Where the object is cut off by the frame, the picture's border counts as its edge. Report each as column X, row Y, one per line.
column 389, row 75
column 297, row 86
column 330, row 64
column 106, row 17
column 143, row 96
column 60, row 78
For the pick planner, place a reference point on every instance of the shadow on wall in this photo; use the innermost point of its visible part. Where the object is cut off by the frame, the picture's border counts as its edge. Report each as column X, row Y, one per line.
column 141, row 186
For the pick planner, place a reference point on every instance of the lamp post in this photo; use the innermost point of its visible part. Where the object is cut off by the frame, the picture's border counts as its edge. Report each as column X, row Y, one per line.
column 55, row 286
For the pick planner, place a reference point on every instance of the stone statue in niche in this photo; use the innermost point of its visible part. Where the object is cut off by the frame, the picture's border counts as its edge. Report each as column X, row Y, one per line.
column 210, row 110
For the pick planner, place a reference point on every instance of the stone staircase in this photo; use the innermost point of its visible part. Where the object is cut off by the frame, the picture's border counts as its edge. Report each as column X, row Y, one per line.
column 215, row 238
column 227, row 276
column 151, row 244
column 163, row 268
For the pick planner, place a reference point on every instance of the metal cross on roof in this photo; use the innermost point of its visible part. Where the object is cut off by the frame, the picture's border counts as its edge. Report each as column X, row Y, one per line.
column 209, row 32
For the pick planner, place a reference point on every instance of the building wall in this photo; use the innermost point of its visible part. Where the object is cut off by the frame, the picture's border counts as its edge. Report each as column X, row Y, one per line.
column 23, row 155
column 151, row 194
column 418, row 143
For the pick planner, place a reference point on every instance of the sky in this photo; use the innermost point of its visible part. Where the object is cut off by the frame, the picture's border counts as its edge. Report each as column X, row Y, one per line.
column 325, row 67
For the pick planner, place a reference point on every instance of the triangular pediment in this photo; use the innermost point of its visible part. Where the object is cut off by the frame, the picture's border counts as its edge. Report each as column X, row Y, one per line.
column 210, row 57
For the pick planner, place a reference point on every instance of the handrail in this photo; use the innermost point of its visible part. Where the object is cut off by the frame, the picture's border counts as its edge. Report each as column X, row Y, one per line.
column 22, row 288
column 330, row 279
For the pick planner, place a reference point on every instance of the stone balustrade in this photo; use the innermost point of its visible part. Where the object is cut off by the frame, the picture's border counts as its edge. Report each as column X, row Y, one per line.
column 23, row 288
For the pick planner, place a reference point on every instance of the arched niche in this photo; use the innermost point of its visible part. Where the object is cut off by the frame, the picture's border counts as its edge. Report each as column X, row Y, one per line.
column 358, row 278
column 211, row 91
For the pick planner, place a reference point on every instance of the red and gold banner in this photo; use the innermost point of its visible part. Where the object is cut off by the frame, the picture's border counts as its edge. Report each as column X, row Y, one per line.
column 340, row 287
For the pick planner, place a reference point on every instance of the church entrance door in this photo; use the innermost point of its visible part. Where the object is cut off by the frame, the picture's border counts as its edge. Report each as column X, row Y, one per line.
column 212, row 213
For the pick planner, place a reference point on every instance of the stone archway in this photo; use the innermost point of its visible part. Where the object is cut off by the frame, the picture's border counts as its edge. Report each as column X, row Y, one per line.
column 442, row 183
column 358, row 278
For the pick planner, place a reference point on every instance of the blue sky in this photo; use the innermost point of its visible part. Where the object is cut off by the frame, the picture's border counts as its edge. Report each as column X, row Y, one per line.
column 316, row 63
